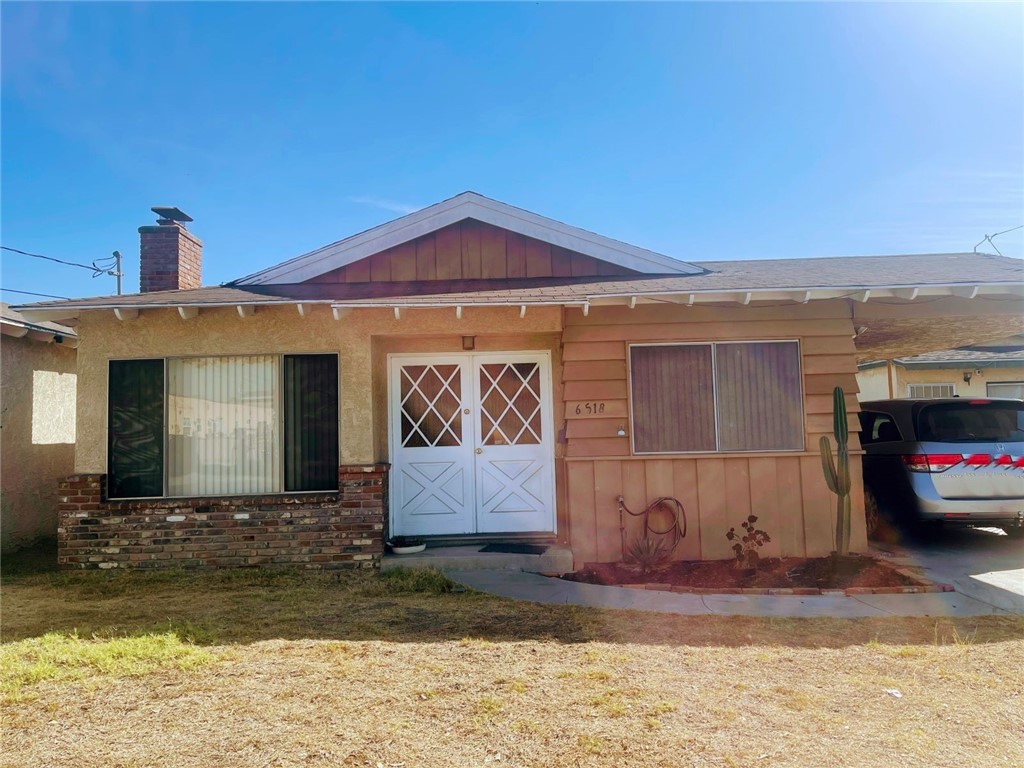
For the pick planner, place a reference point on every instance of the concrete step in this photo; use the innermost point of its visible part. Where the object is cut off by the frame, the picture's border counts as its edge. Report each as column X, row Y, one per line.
column 556, row 559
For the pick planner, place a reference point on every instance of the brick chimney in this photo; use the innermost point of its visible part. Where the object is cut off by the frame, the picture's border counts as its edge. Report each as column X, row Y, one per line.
column 170, row 257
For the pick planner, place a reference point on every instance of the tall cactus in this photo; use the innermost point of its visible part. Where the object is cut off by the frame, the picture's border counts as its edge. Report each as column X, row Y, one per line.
column 837, row 474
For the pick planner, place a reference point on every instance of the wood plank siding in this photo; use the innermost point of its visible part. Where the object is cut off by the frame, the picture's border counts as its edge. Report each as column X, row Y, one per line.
column 785, row 489
column 471, row 250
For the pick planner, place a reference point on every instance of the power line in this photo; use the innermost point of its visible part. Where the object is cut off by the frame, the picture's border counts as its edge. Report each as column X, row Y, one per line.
column 31, row 293
column 95, row 268
column 988, row 238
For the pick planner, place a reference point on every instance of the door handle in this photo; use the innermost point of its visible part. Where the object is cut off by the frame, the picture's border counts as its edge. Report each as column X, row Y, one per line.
column 466, row 411
column 479, row 451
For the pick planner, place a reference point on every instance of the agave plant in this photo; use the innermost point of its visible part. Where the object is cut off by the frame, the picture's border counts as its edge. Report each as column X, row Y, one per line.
column 837, row 473
column 648, row 552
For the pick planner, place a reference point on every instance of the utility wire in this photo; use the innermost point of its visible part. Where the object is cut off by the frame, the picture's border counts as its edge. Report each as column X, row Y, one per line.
column 988, row 238
column 30, row 293
column 95, row 268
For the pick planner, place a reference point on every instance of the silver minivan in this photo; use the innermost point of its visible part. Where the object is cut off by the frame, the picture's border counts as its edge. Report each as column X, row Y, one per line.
column 945, row 461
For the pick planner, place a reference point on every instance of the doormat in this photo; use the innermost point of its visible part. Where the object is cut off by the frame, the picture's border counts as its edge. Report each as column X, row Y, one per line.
column 516, row 549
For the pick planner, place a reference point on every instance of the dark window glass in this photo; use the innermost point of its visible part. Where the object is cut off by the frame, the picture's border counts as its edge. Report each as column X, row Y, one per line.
column 135, row 429
column 969, row 422
column 878, row 428
column 310, row 422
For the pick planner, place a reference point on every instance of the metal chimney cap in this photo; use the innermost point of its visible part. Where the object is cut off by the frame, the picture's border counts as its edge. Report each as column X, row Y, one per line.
column 170, row 213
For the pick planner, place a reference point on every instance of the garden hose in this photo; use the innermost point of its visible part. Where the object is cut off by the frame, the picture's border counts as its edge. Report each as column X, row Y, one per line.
column 677, row 530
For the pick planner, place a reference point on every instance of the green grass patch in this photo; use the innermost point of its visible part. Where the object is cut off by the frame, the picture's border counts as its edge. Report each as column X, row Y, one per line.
column 66, row 656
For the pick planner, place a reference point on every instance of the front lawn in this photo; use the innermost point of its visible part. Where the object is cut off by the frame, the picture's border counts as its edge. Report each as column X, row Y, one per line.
column 256, row 668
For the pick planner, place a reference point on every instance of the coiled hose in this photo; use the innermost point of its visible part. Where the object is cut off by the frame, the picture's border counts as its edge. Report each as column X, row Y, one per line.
column 677, row 529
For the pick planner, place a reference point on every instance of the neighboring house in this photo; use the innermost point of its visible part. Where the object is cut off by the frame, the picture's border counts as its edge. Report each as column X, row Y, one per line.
column 37, row 425
column 985, row 369
column 475, row 371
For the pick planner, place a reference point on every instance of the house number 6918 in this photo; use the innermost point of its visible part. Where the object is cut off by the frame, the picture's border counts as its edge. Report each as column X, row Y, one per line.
column 589, row 408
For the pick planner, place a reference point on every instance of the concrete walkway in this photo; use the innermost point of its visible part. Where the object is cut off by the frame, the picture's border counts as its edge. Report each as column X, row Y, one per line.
column 982, row 563
column 541, row 589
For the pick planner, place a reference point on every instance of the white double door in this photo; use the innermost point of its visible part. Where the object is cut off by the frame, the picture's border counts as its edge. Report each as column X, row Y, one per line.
column 472, row 448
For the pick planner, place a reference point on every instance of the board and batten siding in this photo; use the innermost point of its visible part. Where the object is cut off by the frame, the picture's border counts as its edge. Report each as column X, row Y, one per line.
column 471, row 250
column 785, row 489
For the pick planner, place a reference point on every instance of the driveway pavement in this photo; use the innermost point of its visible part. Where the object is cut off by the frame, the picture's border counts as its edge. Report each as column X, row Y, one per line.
column 982, row 563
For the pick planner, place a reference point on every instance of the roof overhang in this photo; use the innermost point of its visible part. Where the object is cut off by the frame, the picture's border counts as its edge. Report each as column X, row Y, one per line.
column 468, row 205
column 903, row 294
column 22, row 330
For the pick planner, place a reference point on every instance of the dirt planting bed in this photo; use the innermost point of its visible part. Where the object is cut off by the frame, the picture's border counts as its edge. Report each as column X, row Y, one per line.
column 801, row 575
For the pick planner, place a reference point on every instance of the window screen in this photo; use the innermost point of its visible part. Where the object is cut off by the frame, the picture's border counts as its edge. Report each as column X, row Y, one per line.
column 135, row 427
column 673, row 404
column 716, row 397
column 759, row 403
column 310, row 422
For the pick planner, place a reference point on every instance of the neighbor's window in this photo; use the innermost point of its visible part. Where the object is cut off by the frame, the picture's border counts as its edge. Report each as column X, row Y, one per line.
column 211, row 426
column 1014, row 389
column 743, row 396
column 926, row 391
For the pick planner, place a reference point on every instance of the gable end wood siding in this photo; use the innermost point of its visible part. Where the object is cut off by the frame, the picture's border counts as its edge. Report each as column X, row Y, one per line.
column 471, row 250
column 785, row 489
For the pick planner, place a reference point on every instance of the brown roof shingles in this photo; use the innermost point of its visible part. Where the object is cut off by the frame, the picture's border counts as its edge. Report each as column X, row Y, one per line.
column 781, row 274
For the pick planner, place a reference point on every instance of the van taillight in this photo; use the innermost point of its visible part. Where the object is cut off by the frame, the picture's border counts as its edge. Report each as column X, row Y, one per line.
column 931, row 462
column 978, row 460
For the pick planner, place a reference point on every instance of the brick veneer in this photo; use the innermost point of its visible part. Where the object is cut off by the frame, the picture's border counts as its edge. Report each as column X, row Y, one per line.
column 344, row 529
column 170, row 258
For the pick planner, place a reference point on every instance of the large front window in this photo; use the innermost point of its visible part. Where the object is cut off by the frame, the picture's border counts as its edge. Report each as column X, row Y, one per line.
column 215, row 426
column 690, row 398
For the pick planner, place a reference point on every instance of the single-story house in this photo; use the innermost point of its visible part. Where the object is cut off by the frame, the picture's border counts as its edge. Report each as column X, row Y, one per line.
column 37, row 425
column 475, row 371
column 985, row 369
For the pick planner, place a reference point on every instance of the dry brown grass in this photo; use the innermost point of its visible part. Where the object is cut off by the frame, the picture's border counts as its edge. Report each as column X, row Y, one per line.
column 311, row 670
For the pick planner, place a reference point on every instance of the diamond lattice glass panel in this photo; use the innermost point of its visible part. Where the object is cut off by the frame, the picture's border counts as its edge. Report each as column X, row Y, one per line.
column 510, row 404
column 431, row 406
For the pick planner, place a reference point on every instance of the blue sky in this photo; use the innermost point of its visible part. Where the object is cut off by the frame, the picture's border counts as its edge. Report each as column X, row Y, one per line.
column 703, row 131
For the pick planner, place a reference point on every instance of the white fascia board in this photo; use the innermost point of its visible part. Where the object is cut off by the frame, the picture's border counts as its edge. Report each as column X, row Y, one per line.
column 860, row 293
column 435, row 304
column 468, row 205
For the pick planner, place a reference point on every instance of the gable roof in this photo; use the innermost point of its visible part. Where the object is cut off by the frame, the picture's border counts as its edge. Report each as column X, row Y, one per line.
column 468, row 205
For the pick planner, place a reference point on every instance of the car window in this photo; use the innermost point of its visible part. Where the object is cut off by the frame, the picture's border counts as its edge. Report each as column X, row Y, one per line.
column 971, row 422
column 878, row 428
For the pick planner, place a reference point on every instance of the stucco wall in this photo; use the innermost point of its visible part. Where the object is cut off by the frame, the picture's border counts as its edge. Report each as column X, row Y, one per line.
column 37, row 400
column 274, row 330
column 873, row 384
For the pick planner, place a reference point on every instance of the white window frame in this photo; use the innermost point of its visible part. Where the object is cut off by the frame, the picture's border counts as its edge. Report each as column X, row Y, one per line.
column 714, row 395
column 989, row 384
column 164, row 469
column 930, row 386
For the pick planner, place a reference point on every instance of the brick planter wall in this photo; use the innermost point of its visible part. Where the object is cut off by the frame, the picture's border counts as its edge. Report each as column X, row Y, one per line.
column 343, row 529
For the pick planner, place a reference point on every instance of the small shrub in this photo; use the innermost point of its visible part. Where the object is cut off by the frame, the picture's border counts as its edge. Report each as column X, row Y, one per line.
column 746, row 545
column 648, row 553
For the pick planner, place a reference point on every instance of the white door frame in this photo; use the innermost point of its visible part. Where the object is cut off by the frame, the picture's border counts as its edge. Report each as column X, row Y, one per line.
column 471, row 423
